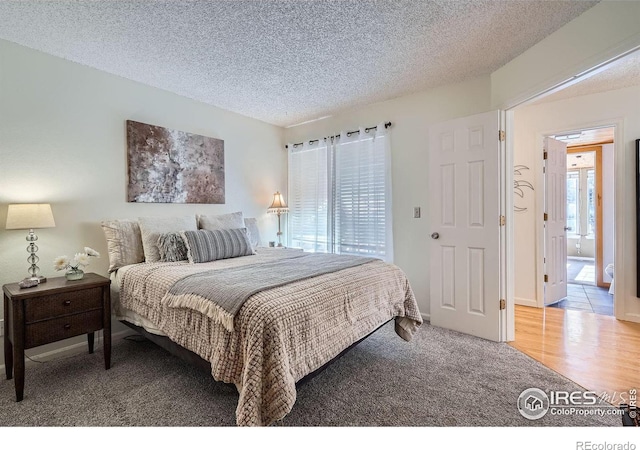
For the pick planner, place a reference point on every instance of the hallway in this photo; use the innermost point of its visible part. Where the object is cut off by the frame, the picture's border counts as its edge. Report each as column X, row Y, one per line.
column 589, row 298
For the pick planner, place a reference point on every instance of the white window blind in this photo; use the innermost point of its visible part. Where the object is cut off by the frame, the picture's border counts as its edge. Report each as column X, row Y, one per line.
column 340, row 195
column 309, row 197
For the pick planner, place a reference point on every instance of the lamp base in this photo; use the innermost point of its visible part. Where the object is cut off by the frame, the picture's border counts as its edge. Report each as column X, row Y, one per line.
column 38, row 278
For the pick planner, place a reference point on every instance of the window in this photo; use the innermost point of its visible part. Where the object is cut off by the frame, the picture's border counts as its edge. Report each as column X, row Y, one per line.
column 309, row 197
column 591, row 203
column 340, row 195
column 573, row 202
column 581, row 206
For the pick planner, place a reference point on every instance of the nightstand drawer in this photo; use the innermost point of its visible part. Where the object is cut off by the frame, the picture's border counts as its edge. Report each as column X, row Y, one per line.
column 61, row 328
column 55, row 305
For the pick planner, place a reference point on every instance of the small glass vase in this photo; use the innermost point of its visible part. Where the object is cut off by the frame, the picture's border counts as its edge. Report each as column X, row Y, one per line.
column 74, row 274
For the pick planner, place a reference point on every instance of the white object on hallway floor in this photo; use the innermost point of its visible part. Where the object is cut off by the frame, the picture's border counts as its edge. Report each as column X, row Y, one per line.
column 609, row 271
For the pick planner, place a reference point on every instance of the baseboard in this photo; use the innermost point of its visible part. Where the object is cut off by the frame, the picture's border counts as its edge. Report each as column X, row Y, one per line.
column 71, row 349
column 426, row 317
column 631, row 317
column 525, row 302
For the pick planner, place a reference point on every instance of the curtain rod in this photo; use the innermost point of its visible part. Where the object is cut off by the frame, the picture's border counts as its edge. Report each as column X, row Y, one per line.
column 349, row 133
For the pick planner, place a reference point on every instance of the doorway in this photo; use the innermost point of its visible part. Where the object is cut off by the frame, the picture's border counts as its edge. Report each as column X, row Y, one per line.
column 589, row 222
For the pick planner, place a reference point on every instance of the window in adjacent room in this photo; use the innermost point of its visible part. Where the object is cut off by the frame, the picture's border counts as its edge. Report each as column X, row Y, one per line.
column 573, row 202
column 581, row 207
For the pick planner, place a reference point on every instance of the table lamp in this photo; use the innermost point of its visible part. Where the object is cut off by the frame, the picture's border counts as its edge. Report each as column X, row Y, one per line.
column 29, row 217
column 279, row 207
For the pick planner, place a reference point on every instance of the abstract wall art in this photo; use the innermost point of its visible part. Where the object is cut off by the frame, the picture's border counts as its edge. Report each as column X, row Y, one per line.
column 171, row 166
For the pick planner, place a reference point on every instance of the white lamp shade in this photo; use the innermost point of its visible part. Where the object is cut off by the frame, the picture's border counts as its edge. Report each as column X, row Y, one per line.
column 278, row 205
column 27, row 216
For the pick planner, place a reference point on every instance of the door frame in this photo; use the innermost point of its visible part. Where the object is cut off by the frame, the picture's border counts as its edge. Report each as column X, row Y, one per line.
column 507, row 251
column 619, row 198
column 599, row 244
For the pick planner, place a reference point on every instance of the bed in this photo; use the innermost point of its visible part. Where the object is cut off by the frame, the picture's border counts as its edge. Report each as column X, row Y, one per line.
column 280, row 334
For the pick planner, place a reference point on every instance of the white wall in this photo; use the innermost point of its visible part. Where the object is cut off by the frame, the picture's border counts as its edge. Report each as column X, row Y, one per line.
column 411, row 116
column 531, row 123
column 62, row 141
column 587, row 247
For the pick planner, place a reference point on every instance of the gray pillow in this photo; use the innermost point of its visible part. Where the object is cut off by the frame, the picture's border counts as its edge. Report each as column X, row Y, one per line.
column 210, row 245
column 152, row 227
column 221, row 222
column 171, row 247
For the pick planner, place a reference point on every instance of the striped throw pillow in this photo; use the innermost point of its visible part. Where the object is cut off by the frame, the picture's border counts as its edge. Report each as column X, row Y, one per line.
column 210, row 245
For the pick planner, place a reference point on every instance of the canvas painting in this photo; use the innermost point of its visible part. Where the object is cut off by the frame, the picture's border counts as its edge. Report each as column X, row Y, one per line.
column 171, row 166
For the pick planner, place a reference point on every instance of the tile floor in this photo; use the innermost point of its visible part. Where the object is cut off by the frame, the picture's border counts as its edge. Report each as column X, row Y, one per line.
column 590, row 298
column 581, row 270
column 586, row 275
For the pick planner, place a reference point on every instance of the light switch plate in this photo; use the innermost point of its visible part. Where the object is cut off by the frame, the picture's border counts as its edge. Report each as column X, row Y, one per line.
column 416, row 212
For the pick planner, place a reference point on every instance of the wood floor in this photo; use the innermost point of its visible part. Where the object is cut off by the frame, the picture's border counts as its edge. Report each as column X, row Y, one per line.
column 597, row 352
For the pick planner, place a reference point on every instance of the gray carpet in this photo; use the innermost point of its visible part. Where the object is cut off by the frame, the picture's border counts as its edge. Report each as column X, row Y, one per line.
column 441, row 378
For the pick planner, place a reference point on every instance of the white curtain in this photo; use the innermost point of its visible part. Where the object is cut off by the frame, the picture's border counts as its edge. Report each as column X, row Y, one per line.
column 340, row 194
column 362, row 194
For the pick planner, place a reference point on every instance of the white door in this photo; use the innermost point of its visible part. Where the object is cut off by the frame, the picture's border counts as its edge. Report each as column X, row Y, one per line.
column 465, row 269
column 555, row 239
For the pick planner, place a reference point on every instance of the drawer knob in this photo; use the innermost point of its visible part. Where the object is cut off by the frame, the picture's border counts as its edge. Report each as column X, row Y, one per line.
column 67, row 326
column 67, row 302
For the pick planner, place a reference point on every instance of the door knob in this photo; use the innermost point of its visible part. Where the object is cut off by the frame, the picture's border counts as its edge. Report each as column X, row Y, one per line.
column 435, row 235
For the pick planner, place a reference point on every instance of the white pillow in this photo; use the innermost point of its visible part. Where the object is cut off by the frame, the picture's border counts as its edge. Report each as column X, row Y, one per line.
column 124, row 243
column 251, row 224
column 152, row 227
column 222, row 222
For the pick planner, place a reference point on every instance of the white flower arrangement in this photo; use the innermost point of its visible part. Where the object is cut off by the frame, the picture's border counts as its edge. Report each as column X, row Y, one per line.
column 79, row 260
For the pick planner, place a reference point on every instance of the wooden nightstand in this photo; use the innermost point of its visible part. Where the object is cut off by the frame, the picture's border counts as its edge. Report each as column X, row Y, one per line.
column 52, row 311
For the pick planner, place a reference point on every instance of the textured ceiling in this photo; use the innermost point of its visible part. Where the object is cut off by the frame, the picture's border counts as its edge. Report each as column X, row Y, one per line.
column 284, row 61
